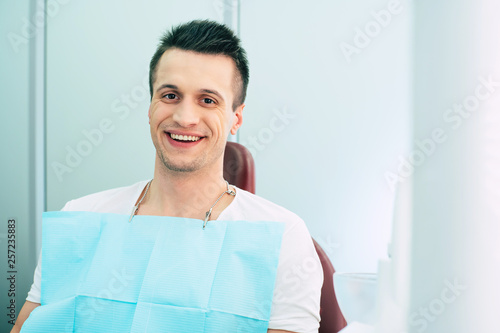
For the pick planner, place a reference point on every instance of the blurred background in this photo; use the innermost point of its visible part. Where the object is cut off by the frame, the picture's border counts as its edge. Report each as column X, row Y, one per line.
column 347, row 100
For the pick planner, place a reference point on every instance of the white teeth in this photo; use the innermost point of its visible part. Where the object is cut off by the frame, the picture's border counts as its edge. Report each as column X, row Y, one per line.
column 184, row 137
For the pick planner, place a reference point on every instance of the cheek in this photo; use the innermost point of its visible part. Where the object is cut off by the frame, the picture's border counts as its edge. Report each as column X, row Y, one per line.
column 157, row 113
column 227, row 123
column 229, row 120
column 218, row 122
column 151, row 113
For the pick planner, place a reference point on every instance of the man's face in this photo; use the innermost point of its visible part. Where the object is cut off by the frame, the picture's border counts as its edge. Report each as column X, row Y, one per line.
column 191, row 113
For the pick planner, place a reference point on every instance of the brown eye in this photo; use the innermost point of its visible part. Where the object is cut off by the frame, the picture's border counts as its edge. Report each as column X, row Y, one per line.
column 169, row 96
column 208, row 101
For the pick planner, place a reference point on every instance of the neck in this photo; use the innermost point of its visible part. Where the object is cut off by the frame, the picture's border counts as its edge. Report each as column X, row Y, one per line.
column 185, row 194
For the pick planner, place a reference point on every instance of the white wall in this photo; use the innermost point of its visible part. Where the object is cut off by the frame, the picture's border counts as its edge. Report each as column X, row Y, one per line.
column 455, row 257
column 349, row 117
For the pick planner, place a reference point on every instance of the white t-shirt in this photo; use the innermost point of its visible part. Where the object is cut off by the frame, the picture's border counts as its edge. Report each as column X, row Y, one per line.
column 296, row 300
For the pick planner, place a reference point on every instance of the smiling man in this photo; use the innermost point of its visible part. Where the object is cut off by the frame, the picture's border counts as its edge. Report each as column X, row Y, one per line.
column 198, row 80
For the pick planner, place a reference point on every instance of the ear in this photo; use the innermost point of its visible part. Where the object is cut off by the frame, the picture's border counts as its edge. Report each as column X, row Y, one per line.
column 237, row 119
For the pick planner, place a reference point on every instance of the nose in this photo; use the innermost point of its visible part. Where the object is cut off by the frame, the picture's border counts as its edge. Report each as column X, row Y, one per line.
column 186, row 114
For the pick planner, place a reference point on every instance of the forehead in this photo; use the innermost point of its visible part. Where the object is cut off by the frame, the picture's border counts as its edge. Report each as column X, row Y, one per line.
column 193, row 70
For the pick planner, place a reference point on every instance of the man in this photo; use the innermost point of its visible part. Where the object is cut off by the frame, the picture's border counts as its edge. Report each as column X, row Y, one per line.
column 198, row 80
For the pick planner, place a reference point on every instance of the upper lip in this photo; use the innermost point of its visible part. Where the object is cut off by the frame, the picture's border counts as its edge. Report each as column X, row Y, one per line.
column 177, row 132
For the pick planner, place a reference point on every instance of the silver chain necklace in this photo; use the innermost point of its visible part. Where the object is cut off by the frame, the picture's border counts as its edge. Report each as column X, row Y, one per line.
column 207, row 214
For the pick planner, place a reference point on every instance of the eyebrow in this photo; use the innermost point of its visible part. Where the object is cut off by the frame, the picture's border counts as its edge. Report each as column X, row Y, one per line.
column 215, row 92
column 166, row 85
column 173, row 86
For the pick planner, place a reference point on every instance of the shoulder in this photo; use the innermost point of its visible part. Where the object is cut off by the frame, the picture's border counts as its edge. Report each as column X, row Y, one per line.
column 118, row 200
column 250, row 207
column 299, row 276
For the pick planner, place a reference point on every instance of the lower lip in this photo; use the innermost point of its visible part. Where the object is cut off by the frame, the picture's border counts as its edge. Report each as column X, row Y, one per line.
column 182, row 144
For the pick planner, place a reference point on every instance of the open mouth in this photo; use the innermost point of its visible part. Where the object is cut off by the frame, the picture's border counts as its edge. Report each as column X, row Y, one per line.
column 184, row 138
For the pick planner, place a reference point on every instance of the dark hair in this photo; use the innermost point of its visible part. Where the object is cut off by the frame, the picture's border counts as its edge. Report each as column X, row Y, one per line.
column 207, row 37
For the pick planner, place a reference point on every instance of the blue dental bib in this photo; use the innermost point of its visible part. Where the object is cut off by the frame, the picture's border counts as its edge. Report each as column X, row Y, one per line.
column 155, row 274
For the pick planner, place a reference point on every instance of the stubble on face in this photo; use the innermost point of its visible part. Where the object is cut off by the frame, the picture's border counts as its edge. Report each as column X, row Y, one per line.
column 191, row 166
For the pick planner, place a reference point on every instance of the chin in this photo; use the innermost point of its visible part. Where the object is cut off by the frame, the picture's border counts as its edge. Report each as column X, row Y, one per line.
column 181, row 167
